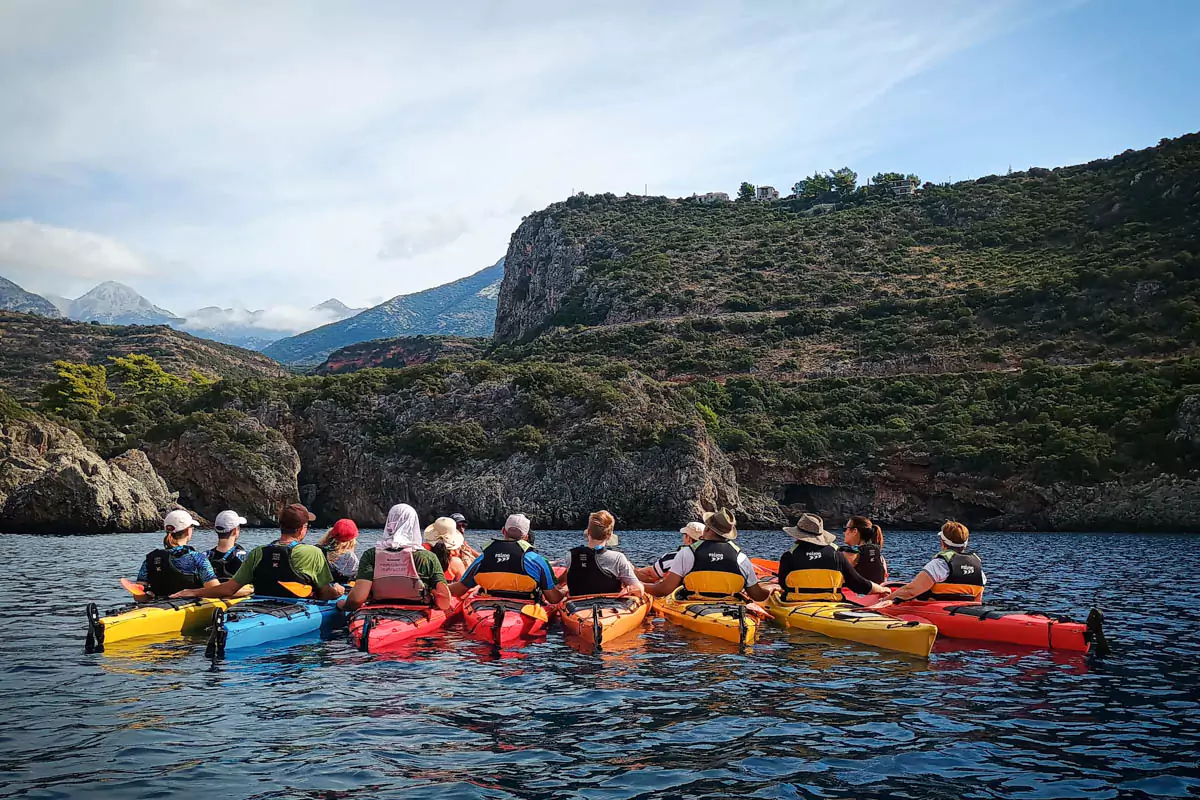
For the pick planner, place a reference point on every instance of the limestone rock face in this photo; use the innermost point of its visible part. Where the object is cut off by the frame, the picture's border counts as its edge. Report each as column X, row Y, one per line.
column 646, row 462
column 230, row 460
column 51, row 483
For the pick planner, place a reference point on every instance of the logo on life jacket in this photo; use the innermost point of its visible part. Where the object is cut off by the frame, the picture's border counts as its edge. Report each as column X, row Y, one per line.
column 501, row 557
column 814, row 555
column 716, row 556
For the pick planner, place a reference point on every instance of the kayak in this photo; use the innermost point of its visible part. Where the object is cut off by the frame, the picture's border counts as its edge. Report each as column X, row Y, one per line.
column 971, row 620
column 723, row 618
column 377, row 627
column 149, row 619
column 600, row 618
column 848, row 621
column 261, row 620
column 504, row 621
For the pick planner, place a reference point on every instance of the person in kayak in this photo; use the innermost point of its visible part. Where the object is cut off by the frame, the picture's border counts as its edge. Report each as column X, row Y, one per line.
column 398, row 569
column 509, row 567
column 176, row 565
column 468, row 553
column 444, row 540
column 227, row 557
column 275, row 568
column 814, row 569
column 596, row 568
column 953, row 574
column 864, row 549
column 713, row 566
column 338, row 545
column 655, row 572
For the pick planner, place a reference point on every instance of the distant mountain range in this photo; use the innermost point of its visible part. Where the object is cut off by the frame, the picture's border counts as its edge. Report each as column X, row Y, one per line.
column 14, row 298
column 466, row 307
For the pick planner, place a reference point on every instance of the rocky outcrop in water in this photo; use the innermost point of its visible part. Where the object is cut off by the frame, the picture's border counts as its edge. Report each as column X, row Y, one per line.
column 51, row 483
column 229, row 460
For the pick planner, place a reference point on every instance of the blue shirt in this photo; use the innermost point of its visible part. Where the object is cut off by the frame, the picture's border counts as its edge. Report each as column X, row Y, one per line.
column 187, row 561
column 535, row 565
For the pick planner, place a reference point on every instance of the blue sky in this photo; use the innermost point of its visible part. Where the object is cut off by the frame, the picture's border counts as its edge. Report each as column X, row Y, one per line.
column 276, row 154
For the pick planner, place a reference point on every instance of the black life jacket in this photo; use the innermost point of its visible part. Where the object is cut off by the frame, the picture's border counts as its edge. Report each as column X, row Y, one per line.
column 338, row 576
column 715, row 571
column 228, row 563
column 164, row 577
column 870, row 563
column 965, row 581
column 274, row 566
column 502, row 571
column 811, row 572
column 585, row 576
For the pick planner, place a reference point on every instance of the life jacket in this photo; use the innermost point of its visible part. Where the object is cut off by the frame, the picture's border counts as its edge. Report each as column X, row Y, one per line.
column 715, row 571
column 226, row 564
column 870, row 563
column 811, row 572
column 502, row 571
column 164, row 577
column 396, row 576
column 965, row 581
column 338, row 576
column 585, row 576
column 275, row 566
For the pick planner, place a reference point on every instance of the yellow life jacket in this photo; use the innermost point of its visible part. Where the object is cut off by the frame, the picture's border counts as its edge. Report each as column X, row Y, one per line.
column 811, row 572
column 715, row 571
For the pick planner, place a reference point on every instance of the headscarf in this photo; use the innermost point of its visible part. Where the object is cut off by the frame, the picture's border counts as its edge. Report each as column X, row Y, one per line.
column 402, row 529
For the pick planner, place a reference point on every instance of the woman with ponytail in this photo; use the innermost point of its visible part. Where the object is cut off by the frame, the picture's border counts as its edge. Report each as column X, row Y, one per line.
column 864, row 549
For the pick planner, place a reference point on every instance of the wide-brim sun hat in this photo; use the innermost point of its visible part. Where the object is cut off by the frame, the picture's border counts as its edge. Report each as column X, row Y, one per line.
column 810, row 528
column 693, row 530
column 722, row 523
column 440, row 529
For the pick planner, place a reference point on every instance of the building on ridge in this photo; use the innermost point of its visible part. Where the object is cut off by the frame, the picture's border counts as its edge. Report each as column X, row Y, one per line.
column 712, row 197
column 765, row 194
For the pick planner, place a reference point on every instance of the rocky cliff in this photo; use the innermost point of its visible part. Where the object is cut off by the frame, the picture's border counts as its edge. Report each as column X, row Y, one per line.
column 51, row 483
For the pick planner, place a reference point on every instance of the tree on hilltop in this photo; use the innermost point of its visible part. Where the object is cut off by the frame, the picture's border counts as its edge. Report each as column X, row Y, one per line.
column 745, row 192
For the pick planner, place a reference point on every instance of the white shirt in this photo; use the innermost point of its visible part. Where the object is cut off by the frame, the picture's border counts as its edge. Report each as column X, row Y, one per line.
column 939, row 570
column 685, row 559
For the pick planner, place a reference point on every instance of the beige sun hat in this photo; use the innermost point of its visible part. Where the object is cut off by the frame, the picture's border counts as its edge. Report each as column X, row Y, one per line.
column 810, row 528
column 444, row 529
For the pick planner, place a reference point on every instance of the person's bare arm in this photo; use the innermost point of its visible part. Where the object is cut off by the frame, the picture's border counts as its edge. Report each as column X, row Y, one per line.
column 213, row 582
column 330, row 591
column 914, row 588
column 458, row 589
column 760, row 592
column 553, row 595
column 668, row 584
column 646, row 574
column 441, row 596
column 218, row 590
column 358, row 595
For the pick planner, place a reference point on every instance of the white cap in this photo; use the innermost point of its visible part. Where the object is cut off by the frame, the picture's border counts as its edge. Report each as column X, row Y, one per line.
column 693, row 529
column 228, row 520
column 517, row 522
column 178, row 520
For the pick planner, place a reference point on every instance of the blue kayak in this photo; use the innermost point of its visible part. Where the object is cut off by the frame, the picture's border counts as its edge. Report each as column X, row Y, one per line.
column 261, row 620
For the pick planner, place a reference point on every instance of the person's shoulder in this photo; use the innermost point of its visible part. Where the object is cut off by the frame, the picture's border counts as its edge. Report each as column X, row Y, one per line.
column 420, row 554
column 308, row 550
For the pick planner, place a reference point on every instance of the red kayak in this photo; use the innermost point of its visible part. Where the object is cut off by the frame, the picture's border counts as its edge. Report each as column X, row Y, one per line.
column 504, row 621
column 380, row 627
column 967, row 620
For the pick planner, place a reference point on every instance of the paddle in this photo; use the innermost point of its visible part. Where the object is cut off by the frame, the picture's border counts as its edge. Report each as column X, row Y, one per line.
column 135, row 589
column 298, row 589
column 536, row 611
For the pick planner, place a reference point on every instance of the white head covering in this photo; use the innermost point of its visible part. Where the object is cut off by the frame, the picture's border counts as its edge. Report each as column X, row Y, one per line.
column 402, row 528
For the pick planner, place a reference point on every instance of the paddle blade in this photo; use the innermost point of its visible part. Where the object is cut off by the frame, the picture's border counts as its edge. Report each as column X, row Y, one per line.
column 536, row 611
column 298, row 589
column 135, row 589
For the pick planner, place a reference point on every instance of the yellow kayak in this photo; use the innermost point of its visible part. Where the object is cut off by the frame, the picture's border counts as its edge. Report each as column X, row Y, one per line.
column 848, row 621
column 150, row 619
column 726, row 618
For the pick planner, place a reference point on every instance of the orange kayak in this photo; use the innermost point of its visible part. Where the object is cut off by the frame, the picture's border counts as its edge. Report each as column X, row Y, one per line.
column 600, row 618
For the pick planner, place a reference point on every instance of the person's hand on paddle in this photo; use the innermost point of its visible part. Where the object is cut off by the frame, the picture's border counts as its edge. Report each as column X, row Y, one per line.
column 185, row 593
column 883, row 604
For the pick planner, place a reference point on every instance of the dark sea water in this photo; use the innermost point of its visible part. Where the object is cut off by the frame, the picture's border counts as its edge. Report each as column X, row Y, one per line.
column 666, row 714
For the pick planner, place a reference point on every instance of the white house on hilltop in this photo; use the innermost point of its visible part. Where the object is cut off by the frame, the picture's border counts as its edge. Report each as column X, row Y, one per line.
column 712, row 197
column 765, row 194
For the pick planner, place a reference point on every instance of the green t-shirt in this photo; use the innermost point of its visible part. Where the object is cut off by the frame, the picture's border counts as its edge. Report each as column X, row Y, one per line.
column 428, row 567
column 307, row 561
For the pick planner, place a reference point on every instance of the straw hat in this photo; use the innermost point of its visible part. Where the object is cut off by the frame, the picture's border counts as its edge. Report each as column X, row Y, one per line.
column 444, row 530
column 810, row 528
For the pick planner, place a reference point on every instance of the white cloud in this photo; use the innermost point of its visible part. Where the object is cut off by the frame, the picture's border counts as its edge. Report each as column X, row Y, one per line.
column 271, row 152
column 43, row 258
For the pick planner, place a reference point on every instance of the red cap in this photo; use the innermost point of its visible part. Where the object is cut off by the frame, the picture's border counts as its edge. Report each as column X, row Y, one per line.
column 344, row 530
column 294, row 517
